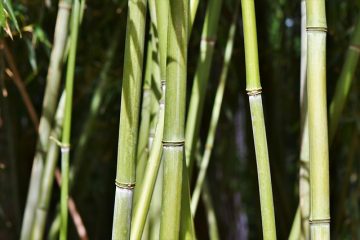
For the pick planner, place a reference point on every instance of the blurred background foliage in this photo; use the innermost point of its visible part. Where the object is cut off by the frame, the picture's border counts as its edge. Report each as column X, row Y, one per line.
column 232, row 172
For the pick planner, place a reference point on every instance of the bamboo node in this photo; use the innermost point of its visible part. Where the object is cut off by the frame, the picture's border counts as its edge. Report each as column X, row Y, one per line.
column 254, row 92
column 319, row 221
column 128, row 186
column 63, row 147
column 316, row 29
column 173, row 143
column 64, row 5
column 355, row 47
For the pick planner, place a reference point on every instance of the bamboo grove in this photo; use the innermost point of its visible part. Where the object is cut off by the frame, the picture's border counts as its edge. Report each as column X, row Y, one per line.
column 179, row 119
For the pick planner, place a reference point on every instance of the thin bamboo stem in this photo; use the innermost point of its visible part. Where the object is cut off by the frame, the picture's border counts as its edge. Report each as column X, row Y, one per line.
column 48, row 111
column 215, row 115
column 201, row 77
column 129, row 118
column 173, row 139
column 304, row 184
column 210, row 212
column 253, row 88
column 344, row 83
column 48, row 175
column 65, row 145
column 318, row 132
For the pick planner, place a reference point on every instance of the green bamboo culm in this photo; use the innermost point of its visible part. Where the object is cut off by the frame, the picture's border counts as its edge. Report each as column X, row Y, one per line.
column 318, row 131
column 201, row 77
column 304, row 183
column 215, row 115
column 129, row 118
column 344, row 83
column 253, row 89
column 65, row 143
column 48, row 176
column 173, row 139
column 48, row 111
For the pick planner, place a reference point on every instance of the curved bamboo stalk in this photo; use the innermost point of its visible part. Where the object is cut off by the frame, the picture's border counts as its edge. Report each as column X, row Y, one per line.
column 318, row 133
column 129, row 118
column 65, row 145
column 253, row 87
column 48, row 111
column 215, row 115
column 201, row 77
column 173, row 139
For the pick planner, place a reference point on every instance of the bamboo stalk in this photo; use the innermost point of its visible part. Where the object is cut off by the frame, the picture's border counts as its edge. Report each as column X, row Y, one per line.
column 173, row 139
column 129, row 118
column 253, row 87
column 201, row 77
column 344, row 83
column 215, row 115
column 65, row 145
column 48, row 111
column 48, row 175
column 210, row 212
column 304, row 185
column 318, row 133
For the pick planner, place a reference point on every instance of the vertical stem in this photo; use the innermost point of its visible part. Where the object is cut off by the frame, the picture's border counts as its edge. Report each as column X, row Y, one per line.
column 48, row 176
column 215, row 115
column 344, row 83
column 304, row 185
column 318, row 132
column 65, row 148
column 173, row 139
column 129, row 118
column 48, row 111
column 201, row 77
column 253, row 88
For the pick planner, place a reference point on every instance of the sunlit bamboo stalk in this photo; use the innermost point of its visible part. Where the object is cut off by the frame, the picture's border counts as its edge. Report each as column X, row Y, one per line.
column 253, row 87
column 129, row 118
column 318, row 132
column 173, row 139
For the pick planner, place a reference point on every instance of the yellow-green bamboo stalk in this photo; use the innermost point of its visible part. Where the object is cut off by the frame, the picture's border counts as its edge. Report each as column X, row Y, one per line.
column 201, row 77
column 318, row 132
column 65, row 147
column 48, row 176
column 253, row 87
column 214, row 116
column 304, row 182
column 173, row 139
column 129, row 118
column 48, row 112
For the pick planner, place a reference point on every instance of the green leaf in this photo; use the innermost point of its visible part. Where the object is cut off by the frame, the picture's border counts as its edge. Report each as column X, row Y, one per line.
column 9, row 9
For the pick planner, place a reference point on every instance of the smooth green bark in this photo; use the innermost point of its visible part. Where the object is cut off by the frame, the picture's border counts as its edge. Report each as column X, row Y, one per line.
column 318, row 131
column 253, row 88
column 65, row 147
column 174, row 125
column 129, row 118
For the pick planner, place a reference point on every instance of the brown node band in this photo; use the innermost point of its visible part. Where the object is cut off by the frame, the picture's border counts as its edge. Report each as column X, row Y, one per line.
column 254, row 92
column 64, row 5
column 128, row 186
column 316, row 29
column 355, row 47
column 173, row 143
column 320, row 221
